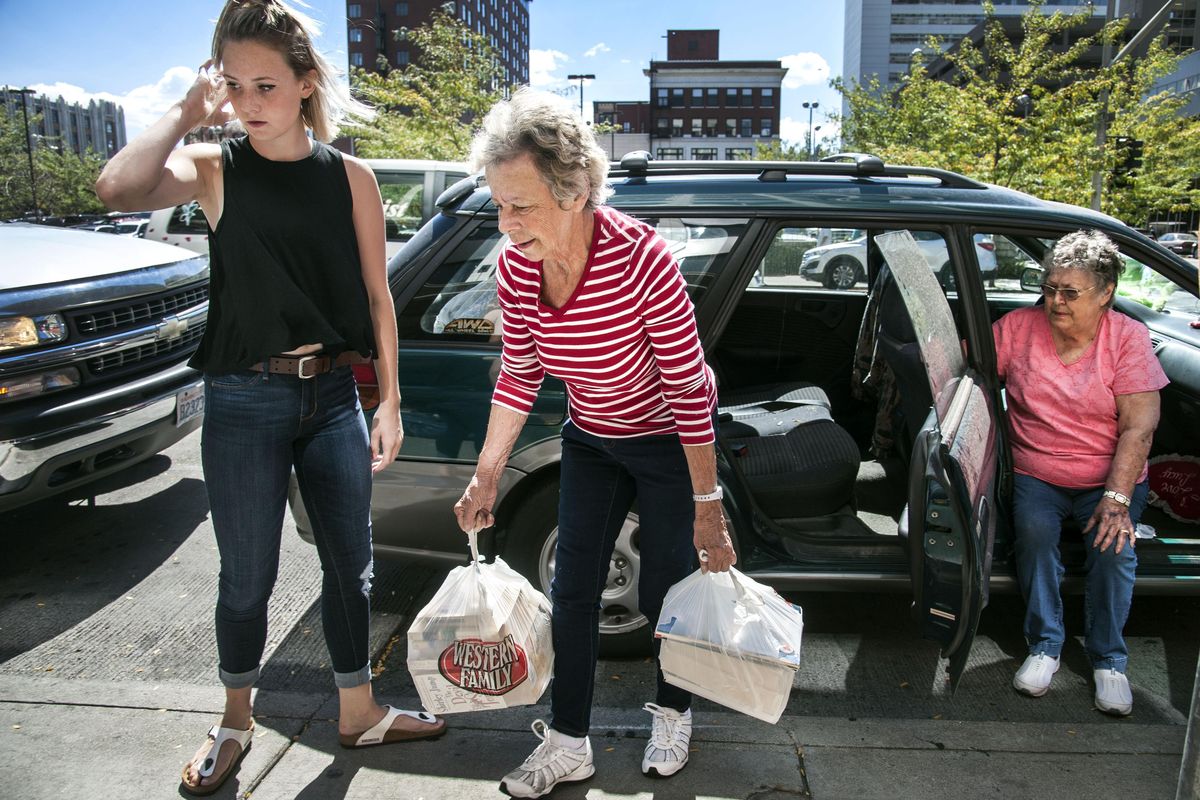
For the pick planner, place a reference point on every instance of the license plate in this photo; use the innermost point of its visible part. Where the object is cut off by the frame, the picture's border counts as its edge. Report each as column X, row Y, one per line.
column 189, row 403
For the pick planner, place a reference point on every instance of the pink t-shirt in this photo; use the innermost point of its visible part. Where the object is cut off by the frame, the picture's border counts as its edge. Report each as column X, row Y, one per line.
column 1063, row 418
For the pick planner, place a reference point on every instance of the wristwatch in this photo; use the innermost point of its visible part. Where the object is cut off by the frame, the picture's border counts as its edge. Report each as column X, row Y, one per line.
column 715, row 494
column 1120, row 498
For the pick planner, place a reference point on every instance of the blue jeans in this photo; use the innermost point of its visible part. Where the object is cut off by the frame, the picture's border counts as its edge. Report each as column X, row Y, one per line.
column 257, row 428
column 1039, row 509
column 600, row 480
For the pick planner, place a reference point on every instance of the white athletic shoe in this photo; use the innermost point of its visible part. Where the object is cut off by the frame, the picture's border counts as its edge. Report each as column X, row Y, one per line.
column 670, row 734
column 1113, row 695
column 1034, row 676
column 554, row 761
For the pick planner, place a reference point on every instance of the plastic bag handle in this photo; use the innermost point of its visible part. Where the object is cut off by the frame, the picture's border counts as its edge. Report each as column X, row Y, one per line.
column 473, row 544
column 744, row 592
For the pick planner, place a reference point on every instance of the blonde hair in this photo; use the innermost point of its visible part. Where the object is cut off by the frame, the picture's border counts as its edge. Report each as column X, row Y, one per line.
column 548, row 129
column 290, row 32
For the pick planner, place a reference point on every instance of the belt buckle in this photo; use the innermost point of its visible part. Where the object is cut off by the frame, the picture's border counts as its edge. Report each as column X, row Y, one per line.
column 300, row 367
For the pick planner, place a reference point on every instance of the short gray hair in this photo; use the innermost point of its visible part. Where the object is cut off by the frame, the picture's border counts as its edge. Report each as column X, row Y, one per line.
column 563, row 148
column 1091, row 251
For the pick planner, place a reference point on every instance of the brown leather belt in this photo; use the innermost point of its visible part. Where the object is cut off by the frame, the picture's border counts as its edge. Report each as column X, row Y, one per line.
column 308, row 366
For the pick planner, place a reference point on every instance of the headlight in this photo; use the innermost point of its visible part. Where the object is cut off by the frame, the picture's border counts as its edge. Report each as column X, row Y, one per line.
column 23, row 387
column 18, row 332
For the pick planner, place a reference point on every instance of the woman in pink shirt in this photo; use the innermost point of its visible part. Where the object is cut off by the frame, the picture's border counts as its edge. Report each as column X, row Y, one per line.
column 595, row 298
column 1082, row 396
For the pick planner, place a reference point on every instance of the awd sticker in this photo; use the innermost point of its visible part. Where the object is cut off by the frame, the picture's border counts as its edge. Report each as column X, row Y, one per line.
column 492, row 668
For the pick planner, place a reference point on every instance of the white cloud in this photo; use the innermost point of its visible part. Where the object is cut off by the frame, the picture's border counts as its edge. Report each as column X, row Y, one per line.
column 542, row 63
column 805, row 69
column 596, row 49
column 143, row 105
column 626, row 61
column 795, row 131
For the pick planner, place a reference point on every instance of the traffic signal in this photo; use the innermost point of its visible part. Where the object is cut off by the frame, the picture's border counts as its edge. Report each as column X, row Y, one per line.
column 1128, row 152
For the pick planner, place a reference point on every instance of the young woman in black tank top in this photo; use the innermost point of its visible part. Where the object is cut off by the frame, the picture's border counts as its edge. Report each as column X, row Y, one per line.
column 299, row 291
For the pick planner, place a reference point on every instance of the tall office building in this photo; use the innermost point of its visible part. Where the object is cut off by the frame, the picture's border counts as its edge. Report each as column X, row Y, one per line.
column 880, row 35
column 99, row 126
column 704, row 108
column 370, row 25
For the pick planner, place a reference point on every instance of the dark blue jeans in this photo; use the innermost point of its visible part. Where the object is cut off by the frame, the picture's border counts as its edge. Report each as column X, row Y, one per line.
column 257, row 428
column 600, row 480
column 1039, row 510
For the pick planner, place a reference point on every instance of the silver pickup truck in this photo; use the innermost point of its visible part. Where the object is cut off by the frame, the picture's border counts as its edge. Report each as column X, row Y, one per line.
column 95, row 334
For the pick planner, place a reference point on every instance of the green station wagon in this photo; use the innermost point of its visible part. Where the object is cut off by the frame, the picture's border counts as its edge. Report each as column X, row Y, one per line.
column 810, row 503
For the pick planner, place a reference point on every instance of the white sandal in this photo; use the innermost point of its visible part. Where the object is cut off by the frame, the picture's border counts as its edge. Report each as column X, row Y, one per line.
column 219, row 736
column 381, row 732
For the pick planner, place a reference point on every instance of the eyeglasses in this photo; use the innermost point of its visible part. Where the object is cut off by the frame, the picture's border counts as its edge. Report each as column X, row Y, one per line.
column 1070, row 295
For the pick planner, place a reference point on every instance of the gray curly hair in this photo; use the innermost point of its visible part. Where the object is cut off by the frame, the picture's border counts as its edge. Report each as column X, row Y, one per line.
column 563, row 148
column 1091, row 251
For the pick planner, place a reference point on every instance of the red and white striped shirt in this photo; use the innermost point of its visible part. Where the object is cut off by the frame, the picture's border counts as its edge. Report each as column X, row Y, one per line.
column 625, row 343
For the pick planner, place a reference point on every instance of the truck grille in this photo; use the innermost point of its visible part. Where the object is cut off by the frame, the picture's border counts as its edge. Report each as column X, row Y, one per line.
column 140, row 357
column 143, row 311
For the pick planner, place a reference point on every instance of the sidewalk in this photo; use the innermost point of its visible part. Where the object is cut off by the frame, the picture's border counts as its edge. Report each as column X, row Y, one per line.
column 99, row 740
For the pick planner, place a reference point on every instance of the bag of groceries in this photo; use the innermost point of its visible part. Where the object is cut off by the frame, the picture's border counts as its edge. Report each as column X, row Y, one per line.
column 732, row 640
column 482, row 642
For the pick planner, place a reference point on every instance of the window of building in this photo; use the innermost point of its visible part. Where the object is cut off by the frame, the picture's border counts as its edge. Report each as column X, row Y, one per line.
column 697, row 127
column 662, row 127
column 661, row 97
column 354, row 10
column 356, row 34
column 731, row 127
column 731, row 97
column 677, row 127
column 747, row 97
column 747, row 127
column 735, row 153
column 710, row 126
column 677, row 98
column 402, row 58
column 713, row 97
column 670, row 154
column 697, row 97
column 767, row 127
column 356, row 59
column 704, row 153
column 626, row 126
column 401, row 9
column 768, row 98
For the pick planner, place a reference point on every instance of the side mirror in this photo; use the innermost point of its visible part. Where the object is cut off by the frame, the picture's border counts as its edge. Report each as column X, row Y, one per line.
column 1031, row 278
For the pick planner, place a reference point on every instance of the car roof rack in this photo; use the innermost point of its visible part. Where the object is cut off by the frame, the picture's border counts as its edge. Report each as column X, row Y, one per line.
column 640, row 164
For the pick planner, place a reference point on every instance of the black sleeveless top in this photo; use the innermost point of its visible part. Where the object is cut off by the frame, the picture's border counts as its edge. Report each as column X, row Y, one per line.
column 284, row 261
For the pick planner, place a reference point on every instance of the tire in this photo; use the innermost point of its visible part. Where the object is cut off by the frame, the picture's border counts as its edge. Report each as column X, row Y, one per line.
column 842, row 273
column 624, row 631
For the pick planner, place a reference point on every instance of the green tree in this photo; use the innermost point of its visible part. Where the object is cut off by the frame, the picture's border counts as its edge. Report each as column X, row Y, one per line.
column 1024, row 115
column 425, row 109
column 65, row 180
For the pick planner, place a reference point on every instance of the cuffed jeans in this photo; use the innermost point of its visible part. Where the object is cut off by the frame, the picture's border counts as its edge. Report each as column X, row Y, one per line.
column 257, row 428
column 1039, row 509
column 600, row 480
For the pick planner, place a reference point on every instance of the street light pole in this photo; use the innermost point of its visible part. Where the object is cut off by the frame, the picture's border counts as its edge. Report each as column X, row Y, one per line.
column 581, row 79
column 810, row 107
column 28, row 147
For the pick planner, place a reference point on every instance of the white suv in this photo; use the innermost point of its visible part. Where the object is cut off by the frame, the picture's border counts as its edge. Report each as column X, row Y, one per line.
column 842, row 265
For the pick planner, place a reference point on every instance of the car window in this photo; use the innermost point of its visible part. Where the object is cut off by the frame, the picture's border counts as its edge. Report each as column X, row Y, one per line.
column 459, row 300
column 188, row 219
column 403, row 196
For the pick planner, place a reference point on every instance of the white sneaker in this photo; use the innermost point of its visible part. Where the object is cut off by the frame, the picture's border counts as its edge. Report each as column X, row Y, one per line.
column 554, row 761
column 1113, row 695
column 670, row 735
column 1034, row 676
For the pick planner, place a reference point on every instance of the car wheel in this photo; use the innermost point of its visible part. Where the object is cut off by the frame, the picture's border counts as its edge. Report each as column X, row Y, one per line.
column 842, row 273
column 534, row 534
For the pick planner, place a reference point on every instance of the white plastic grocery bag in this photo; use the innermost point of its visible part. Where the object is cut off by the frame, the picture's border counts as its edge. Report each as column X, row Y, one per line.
column 732, row 640
column 482, row 642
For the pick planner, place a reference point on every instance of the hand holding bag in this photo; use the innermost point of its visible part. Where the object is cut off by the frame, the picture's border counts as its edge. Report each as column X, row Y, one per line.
column 483, row 641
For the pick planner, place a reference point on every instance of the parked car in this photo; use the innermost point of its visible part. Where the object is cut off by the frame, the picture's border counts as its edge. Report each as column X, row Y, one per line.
column 809, row 505
column 1182, row 243
column 840, row 266
column 95, row 333
column 408, row 188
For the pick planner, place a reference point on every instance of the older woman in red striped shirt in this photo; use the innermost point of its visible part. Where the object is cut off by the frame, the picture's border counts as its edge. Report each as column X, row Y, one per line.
column 595, row 298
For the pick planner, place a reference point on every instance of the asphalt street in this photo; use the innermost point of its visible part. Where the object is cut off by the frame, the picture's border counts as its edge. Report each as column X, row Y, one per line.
column 107, row 684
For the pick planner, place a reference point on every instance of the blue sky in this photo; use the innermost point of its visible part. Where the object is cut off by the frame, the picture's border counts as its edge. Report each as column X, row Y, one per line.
column 144, row 53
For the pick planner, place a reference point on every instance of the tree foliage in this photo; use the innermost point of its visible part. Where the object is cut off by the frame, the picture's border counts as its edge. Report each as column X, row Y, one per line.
column 64, row 181
column 1024, row 115
column 425, row 109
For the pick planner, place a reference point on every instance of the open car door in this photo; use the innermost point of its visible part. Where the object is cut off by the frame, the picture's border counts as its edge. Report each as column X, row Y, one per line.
column 950, row 518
